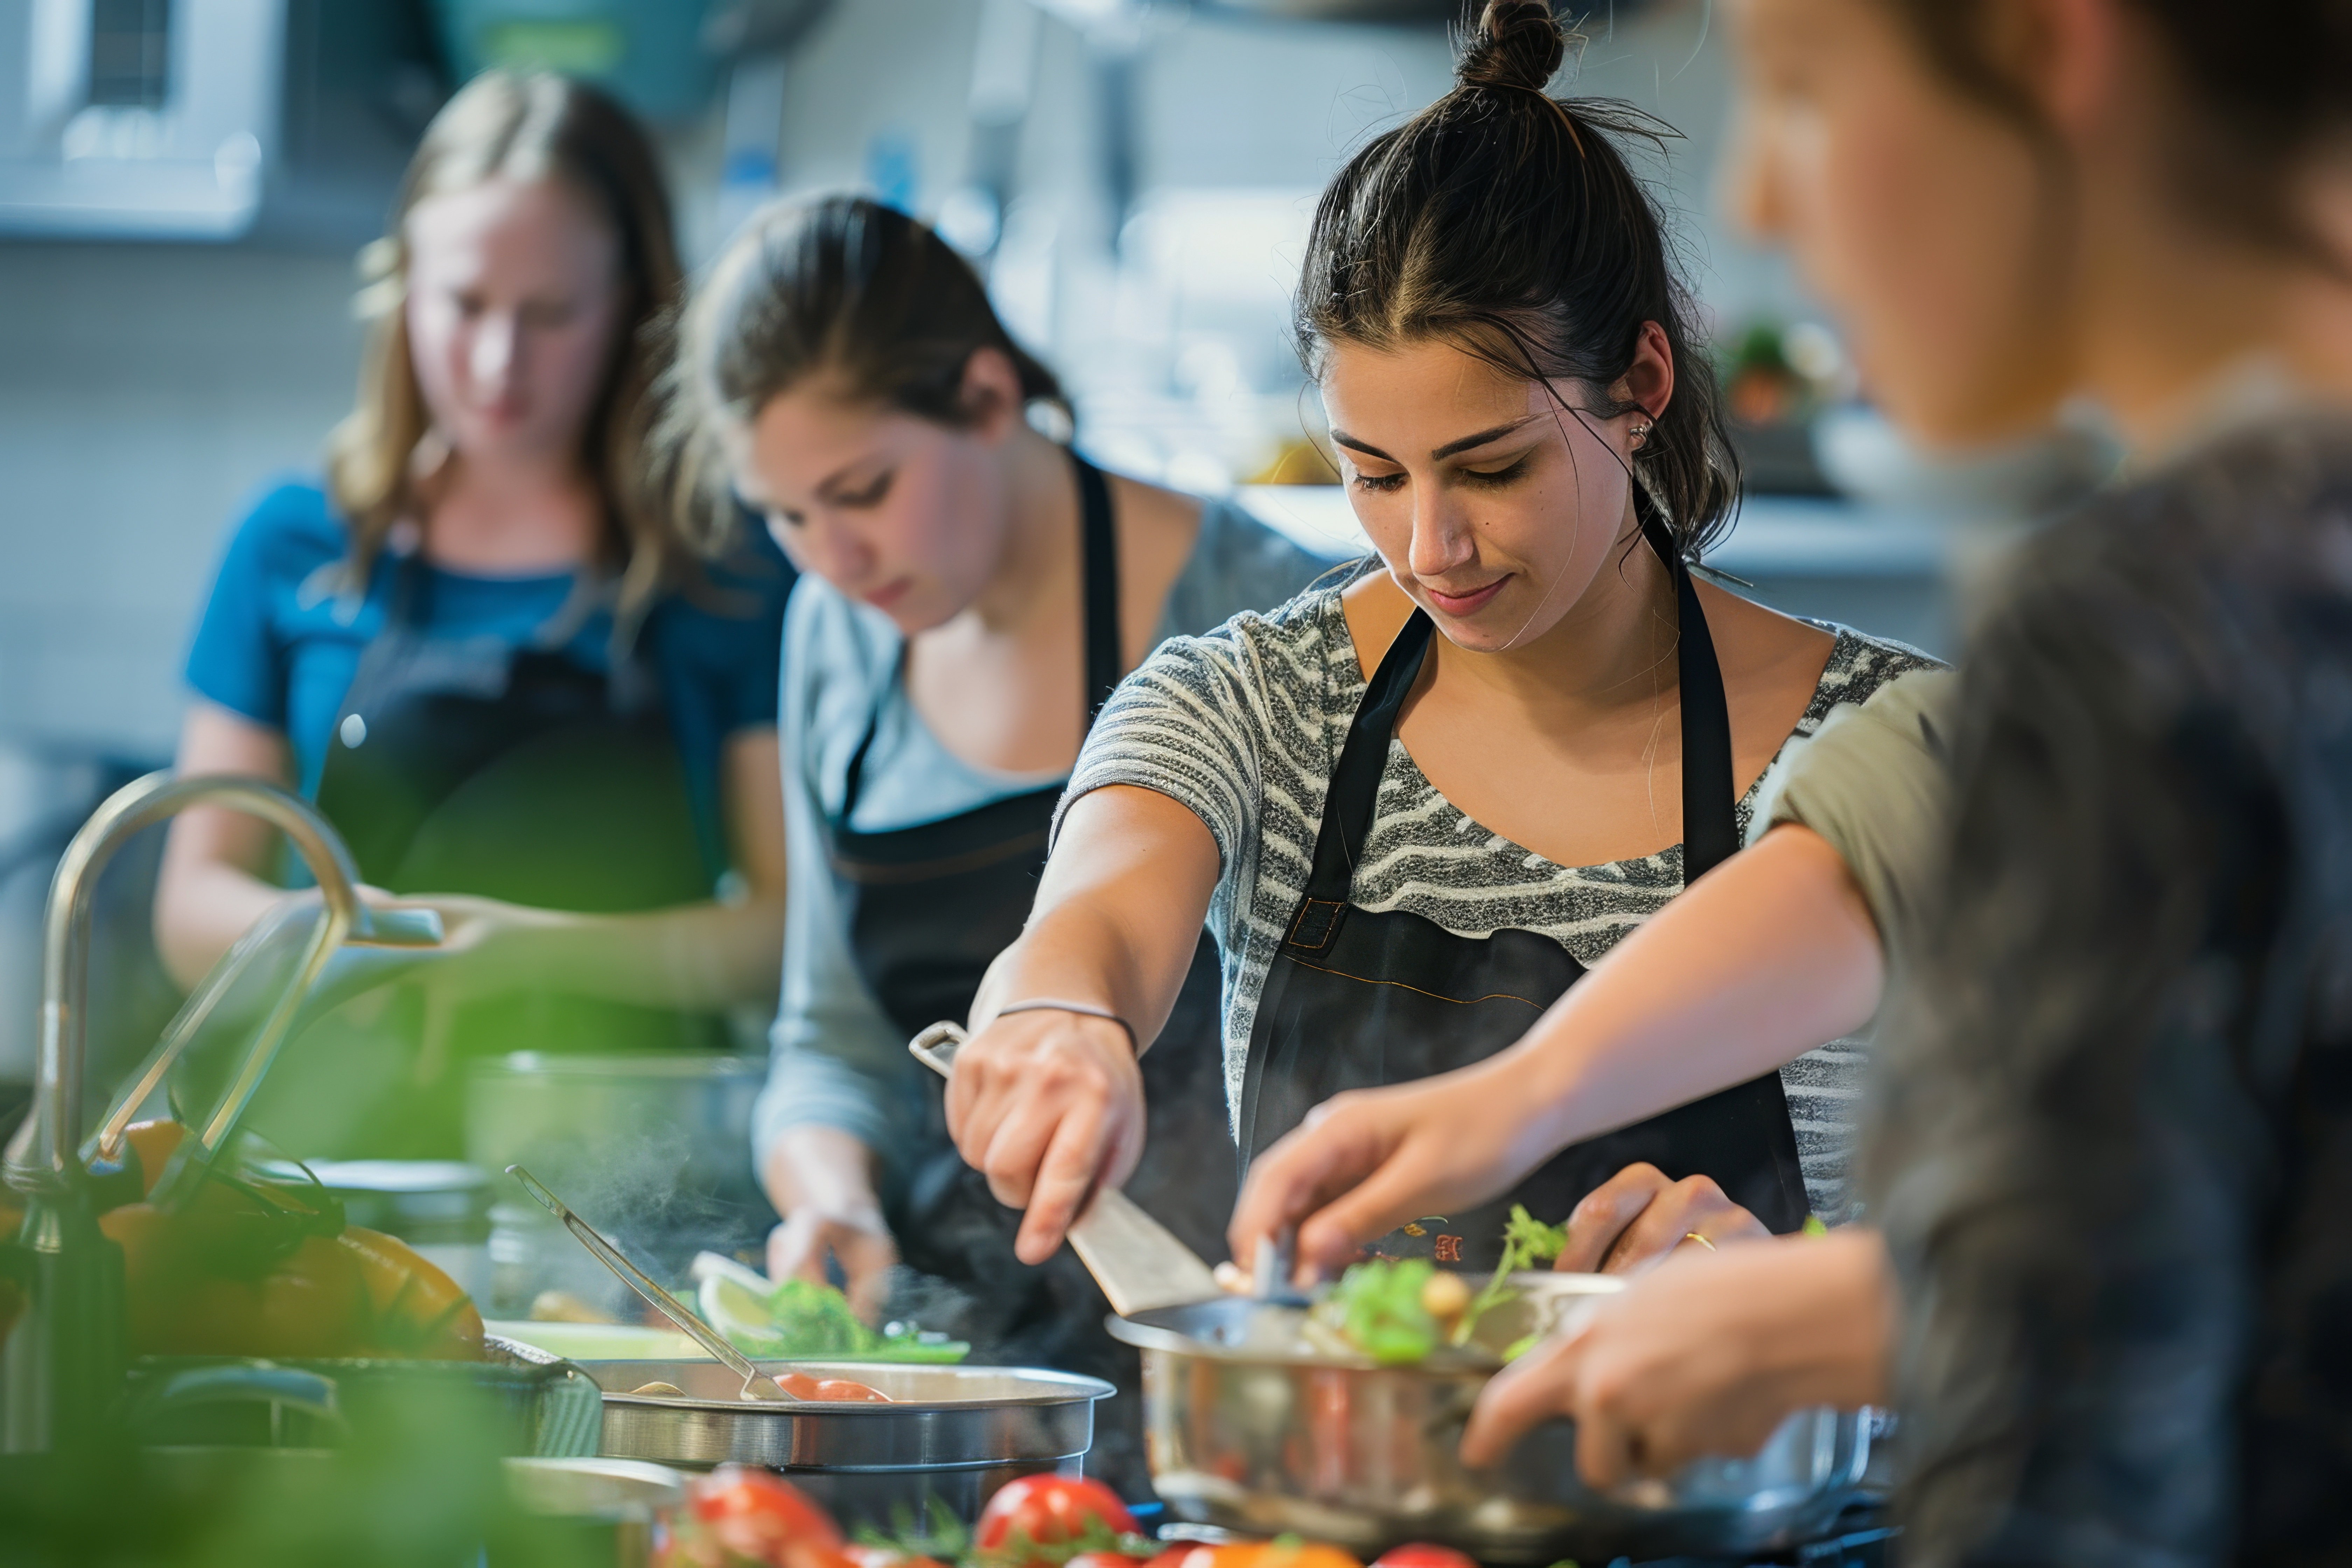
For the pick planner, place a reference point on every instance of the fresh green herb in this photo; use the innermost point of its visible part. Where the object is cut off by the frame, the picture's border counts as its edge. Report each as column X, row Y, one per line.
column 1813, row 1225
column 1017, row 1551
column 941, row 1536
column 1527, row 1241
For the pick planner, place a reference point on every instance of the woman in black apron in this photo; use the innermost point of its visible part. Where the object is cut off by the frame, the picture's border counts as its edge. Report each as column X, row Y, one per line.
column 928, row 908
column 1417, row 807
column 973, row 592
column 481, row 650
column 1416, row 999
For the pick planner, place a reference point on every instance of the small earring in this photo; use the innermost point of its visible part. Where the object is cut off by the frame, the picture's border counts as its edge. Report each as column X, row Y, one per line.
column 1640, row 433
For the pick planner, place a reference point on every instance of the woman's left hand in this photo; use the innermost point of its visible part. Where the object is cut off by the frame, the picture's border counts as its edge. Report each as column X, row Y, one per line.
column 487, row 945
column 1637, row 1216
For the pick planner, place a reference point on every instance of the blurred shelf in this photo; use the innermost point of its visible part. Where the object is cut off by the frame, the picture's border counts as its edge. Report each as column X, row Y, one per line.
column 1818, row 536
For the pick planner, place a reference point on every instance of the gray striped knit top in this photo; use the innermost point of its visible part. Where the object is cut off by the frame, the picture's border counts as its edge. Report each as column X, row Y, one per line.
column 1243, row 726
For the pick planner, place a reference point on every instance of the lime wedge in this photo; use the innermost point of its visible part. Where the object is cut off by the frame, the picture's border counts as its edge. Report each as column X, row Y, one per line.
column 734, row 1300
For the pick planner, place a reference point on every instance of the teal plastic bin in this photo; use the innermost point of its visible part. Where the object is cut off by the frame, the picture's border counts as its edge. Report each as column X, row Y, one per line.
column 647, row 52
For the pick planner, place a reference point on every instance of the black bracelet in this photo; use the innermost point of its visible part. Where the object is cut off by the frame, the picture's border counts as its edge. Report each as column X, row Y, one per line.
column 1085, row 1009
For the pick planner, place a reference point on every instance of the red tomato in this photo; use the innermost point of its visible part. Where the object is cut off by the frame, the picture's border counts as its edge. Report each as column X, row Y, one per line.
column 841, row 1388
column 1424, row 1554
column 1048, row 1511
column 766, row 1519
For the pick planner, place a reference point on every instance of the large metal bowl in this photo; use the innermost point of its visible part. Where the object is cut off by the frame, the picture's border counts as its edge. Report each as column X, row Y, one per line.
column 1247, row 1431
column 954, row 1433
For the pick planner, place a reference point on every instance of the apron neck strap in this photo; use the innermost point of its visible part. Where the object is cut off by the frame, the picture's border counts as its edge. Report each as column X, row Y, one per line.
column 1710, row 828
column 1710, row 797
column 1098, row 603
column 1356, row 782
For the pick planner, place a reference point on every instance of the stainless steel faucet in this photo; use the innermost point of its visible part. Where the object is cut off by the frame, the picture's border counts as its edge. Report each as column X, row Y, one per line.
column 62, row 1366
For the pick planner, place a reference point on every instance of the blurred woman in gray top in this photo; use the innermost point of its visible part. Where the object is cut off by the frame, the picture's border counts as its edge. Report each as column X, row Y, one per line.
column 972, row 590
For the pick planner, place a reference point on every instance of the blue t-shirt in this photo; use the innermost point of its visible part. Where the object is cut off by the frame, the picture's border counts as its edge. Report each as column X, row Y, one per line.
column 277, row 644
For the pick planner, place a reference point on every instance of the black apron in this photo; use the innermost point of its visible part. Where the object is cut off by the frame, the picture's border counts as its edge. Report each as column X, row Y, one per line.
column 928, row 909
column 1357, row 998
column 467, row 765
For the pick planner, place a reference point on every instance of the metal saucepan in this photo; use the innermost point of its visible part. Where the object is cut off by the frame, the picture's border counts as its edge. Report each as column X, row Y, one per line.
column 955, row 1433
column 1250, row 1427
column 1250, row 1430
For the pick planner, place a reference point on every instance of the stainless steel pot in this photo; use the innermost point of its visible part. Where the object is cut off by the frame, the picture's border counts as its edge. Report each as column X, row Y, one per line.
column 952, row 1433
column 1249, row 1430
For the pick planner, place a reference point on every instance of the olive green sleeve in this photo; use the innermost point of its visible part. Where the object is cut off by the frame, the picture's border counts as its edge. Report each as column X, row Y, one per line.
column 1873, row 782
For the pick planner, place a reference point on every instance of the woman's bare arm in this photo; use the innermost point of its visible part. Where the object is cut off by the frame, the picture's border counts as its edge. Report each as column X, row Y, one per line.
column 1049, row 1104
column 1764, row 958
column 211, row 888
column 698, row 956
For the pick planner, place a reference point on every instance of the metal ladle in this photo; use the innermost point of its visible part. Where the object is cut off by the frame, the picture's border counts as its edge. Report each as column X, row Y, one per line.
column 757, row 1384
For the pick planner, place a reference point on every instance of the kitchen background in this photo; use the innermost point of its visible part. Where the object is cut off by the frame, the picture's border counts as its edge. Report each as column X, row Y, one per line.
column 182, row 183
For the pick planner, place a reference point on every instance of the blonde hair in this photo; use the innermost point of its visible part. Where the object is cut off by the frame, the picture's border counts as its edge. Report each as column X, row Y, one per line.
column 523, row 127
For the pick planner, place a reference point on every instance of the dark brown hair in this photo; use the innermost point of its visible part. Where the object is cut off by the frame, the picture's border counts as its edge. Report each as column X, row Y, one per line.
column 2267, row 84
column 839, row 287
column 528, row 127
column 1507, row 222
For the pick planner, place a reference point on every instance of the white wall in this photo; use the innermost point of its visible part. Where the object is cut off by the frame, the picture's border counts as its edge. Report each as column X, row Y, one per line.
column 144, row 390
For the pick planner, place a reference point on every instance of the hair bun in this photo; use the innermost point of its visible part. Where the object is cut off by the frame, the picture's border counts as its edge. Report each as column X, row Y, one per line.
column 1516, row 43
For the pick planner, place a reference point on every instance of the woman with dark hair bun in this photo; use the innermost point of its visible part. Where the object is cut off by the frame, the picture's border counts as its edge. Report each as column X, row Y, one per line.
column 2103, row 906
column 1414, row 806
column 973, row 591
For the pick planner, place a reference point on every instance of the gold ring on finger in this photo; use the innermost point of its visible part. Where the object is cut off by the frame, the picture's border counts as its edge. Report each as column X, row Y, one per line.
column 1694, row 1235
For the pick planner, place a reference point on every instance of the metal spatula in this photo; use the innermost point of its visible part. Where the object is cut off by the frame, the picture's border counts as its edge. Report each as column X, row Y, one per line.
column 1139, row 1263
column 757, row 1384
